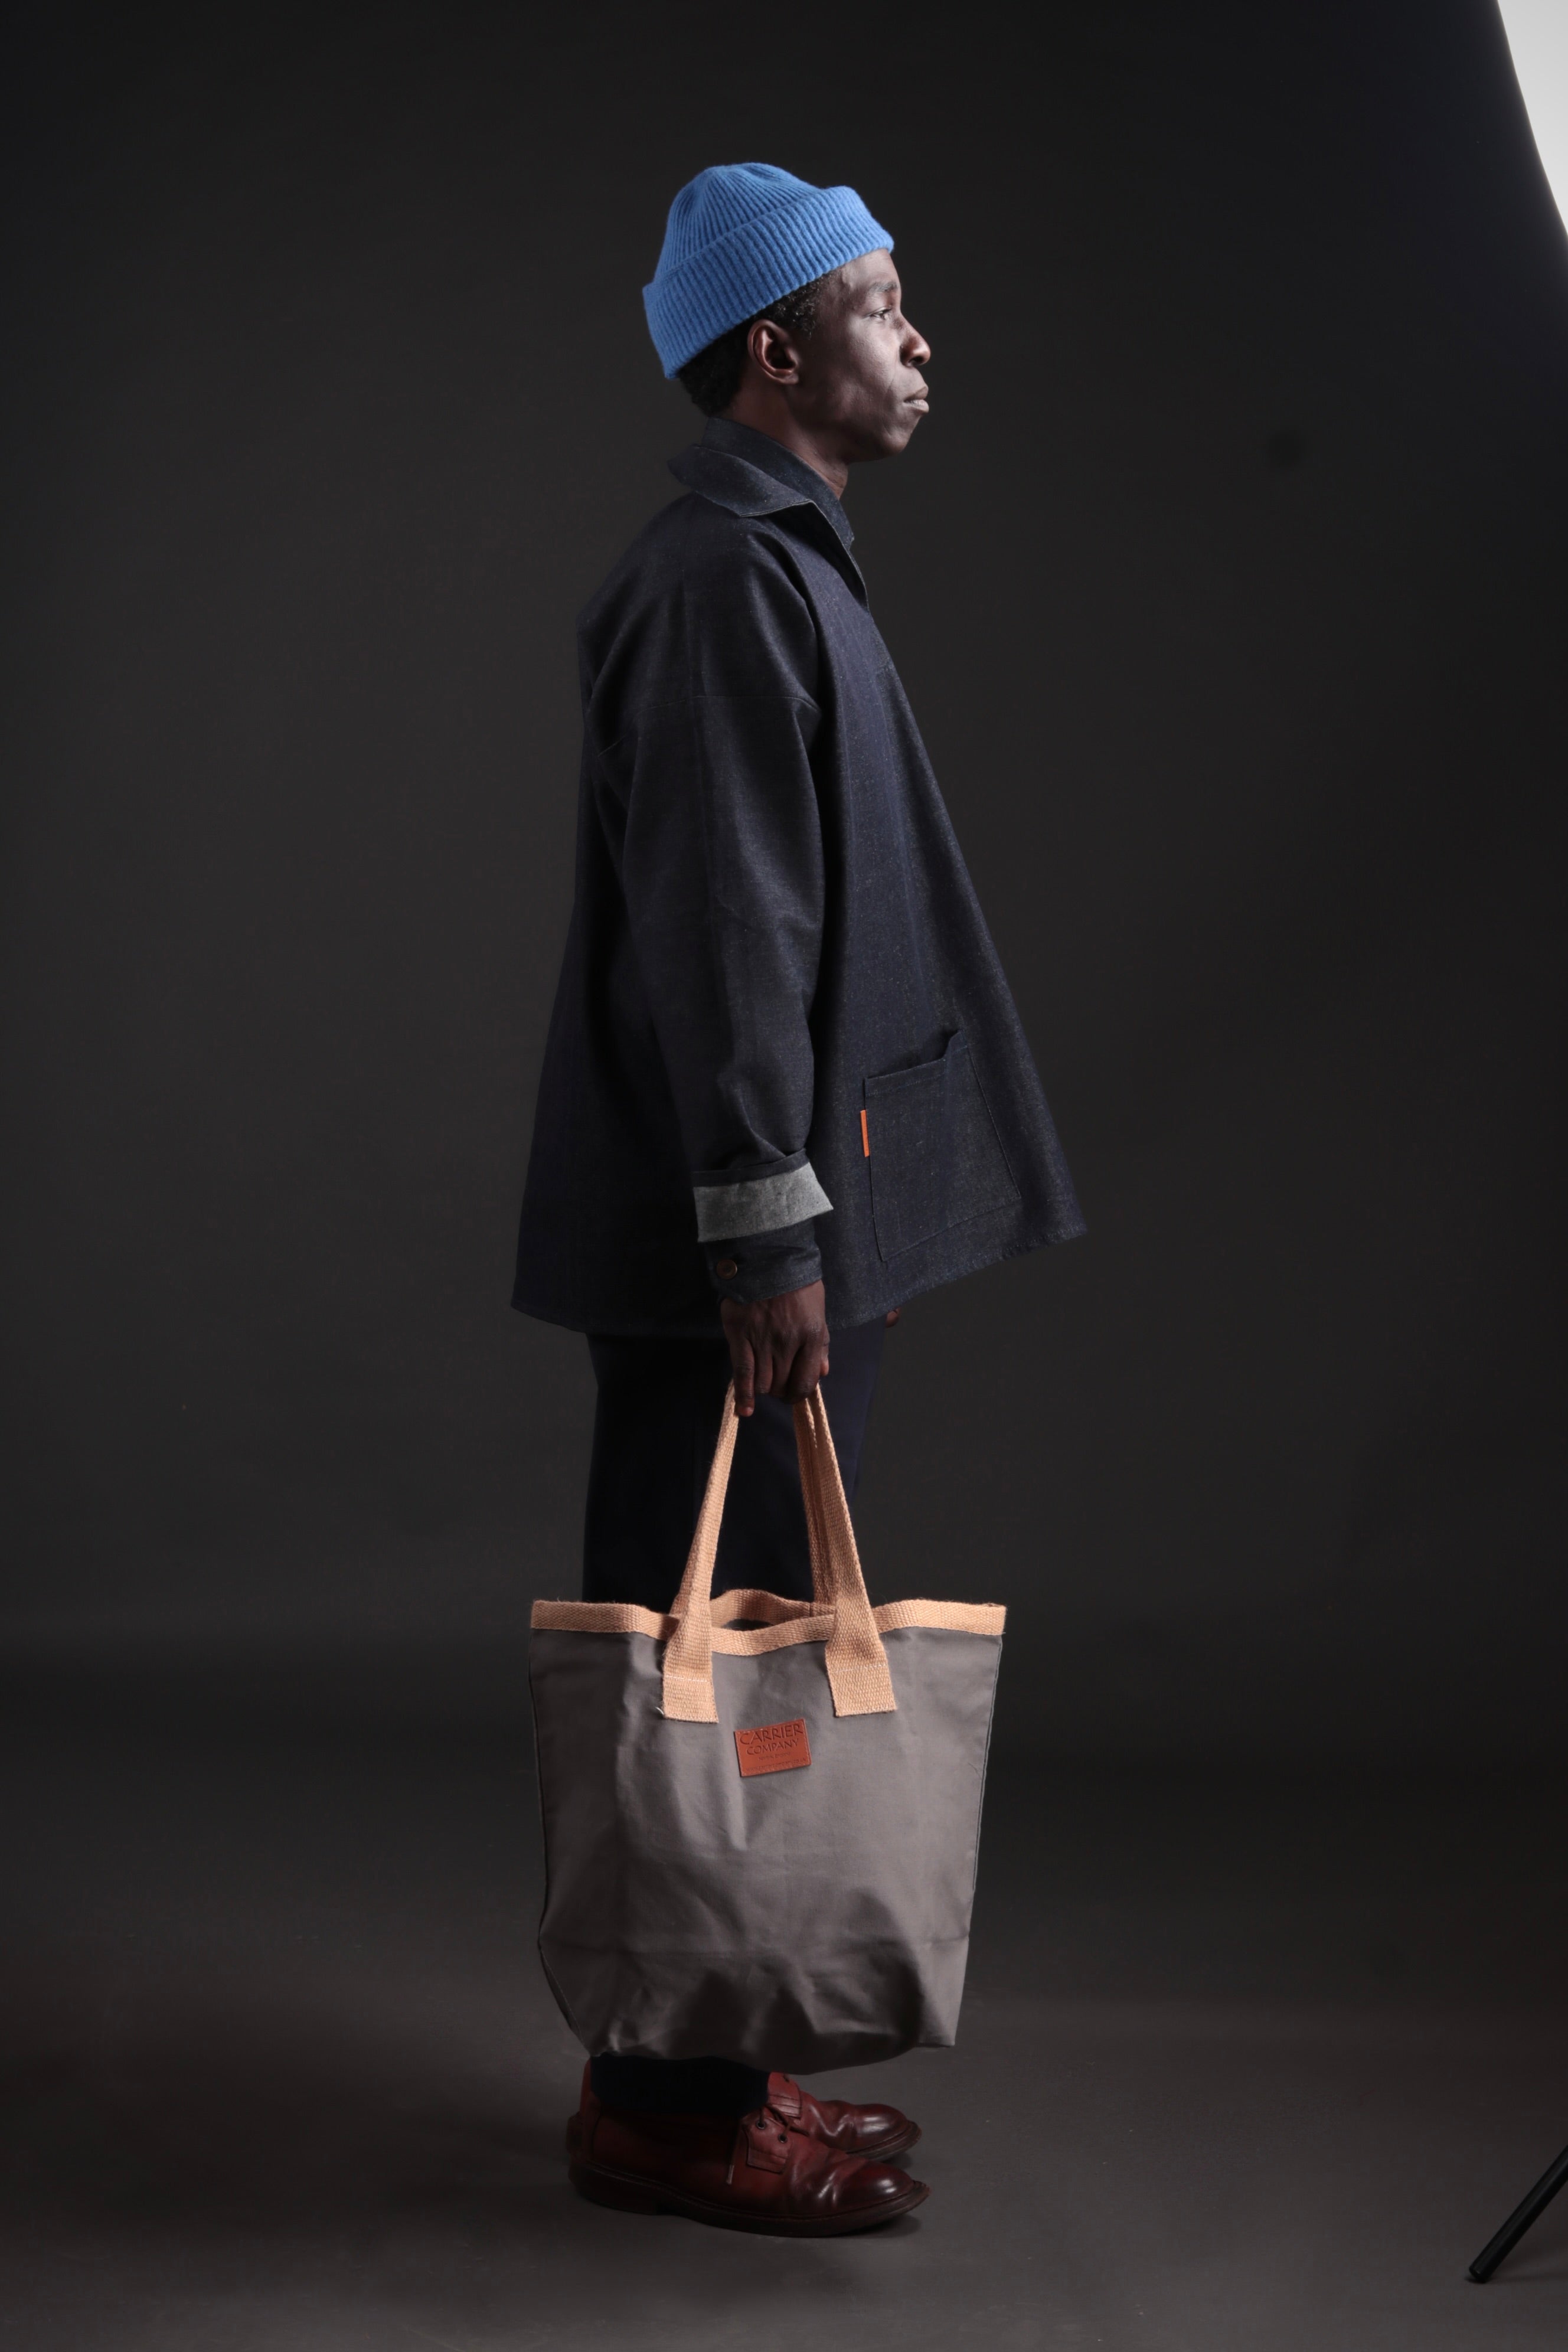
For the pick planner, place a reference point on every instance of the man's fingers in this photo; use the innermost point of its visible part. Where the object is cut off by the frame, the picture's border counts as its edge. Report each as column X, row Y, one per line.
column 778, row 1347
column 767, row 1362
column 809, row 1365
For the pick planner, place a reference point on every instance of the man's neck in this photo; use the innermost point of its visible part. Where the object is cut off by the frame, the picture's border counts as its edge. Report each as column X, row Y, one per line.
column 755, row 406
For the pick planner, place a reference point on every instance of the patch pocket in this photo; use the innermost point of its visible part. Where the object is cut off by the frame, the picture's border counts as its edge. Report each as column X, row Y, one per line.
column 935, row 1157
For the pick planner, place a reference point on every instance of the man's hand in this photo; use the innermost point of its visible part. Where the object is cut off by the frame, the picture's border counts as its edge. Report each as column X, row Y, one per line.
column 778, row 1347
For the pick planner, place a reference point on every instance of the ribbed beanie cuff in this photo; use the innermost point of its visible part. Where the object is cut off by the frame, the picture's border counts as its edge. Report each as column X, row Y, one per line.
column 740, row 236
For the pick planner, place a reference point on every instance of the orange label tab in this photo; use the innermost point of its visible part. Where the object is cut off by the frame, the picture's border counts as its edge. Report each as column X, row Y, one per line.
column 777, row 1748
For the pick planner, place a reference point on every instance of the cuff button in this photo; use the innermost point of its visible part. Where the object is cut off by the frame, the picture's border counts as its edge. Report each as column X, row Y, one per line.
column 725, row 1268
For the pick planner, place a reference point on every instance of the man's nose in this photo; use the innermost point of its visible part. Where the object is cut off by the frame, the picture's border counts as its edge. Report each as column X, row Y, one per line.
column 917, row 351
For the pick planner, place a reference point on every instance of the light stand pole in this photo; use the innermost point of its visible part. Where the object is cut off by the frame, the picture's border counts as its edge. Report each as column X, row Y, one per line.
column 1537, row 33
column 1520, row 2219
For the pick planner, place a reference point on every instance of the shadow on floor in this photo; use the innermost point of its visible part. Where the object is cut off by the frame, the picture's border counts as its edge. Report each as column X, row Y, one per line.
column 250, row 2120
column 278, row 2072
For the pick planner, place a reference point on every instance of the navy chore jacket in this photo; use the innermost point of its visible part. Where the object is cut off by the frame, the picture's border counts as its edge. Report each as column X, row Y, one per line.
column 781, row 1045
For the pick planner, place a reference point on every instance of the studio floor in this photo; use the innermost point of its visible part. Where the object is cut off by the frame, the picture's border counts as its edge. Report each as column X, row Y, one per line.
column 1249, row 2063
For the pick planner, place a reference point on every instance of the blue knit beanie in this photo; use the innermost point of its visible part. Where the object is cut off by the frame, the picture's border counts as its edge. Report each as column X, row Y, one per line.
column 740, row 236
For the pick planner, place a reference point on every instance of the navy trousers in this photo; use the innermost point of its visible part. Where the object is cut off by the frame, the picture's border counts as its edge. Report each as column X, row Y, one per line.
column 654, row 1434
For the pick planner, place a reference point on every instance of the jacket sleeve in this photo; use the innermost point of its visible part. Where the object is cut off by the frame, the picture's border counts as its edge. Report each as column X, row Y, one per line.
column 721, row 866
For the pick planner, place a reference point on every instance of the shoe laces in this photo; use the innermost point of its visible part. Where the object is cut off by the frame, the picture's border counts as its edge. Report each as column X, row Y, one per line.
column 756, row 2118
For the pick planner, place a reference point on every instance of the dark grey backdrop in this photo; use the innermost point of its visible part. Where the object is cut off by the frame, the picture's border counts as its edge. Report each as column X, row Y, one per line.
column 1227, row 581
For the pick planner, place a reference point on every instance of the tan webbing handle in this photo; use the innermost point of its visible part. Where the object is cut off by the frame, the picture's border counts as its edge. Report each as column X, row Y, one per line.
column 858, row 1671
column 689, row 1653
column 856, row 1661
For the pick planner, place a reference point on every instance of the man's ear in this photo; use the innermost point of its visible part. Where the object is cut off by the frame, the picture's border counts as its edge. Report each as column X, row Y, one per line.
column 775, row 353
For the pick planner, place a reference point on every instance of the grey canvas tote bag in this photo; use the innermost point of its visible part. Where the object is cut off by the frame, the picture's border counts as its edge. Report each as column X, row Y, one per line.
column 762, row 1817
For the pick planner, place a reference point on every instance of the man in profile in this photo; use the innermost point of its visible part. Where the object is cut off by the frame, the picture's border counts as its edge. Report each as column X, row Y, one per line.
column 786, row 1087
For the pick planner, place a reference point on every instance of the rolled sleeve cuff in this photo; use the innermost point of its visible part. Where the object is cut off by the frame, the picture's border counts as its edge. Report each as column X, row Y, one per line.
column 759, row 1204
column 764, row 1265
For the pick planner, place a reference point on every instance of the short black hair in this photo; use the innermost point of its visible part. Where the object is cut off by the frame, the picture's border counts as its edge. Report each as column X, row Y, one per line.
column 713, row 376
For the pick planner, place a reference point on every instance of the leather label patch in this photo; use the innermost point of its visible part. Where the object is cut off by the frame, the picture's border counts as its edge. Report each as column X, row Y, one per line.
column 776, row 1748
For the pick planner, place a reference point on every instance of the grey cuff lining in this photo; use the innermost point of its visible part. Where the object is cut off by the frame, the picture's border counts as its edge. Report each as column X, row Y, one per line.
column 727, row 1212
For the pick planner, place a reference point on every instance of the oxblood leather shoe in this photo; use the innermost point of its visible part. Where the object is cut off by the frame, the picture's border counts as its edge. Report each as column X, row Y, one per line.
column 852, row 2131
column 742, row 2172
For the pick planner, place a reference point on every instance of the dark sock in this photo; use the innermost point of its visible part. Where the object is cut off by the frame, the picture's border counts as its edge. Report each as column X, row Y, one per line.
column 677, row 2086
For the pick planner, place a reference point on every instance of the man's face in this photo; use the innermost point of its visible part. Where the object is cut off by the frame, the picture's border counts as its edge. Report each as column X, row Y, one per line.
column 857, row 373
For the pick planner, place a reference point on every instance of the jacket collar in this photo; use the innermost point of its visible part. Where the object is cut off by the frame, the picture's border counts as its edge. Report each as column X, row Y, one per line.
column 752, row 475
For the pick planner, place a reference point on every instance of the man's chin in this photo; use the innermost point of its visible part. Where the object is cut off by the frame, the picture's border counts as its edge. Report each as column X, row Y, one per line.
column 896, row 434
